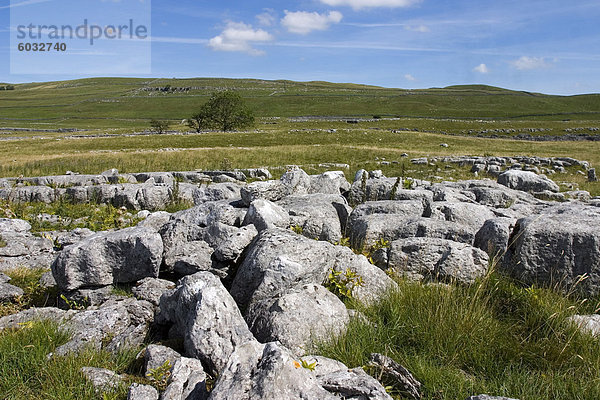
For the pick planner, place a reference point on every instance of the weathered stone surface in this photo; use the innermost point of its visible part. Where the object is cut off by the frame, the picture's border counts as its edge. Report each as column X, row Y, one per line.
column 279, row 260
column 4, row 278
column 296, row 181
column 267, row 372
column 9, row 292
column 187, row 258
column 354, row 383
column 217, row 192
column 267, row 190
column 123, row 256
column 231, row 248
column 264, row 214
column 319, row 216
column 14, row 225
column 142, row 392
column 373, row 189
column 101, row 378
column 367, row 230
column 330, row 182
column 486, row 397
column 103, row 326
column 187, row 381
column 405, row 381
column 151, row 289
column 34, row 314
column 589, row 324
column 437, row 259
column 23, row 249
column 155, row 356
column 208, row 319
column 557, row 247
column 154, row 221
column 298, row 317
column 494, row 235
column 526, row 181
column 470, row 215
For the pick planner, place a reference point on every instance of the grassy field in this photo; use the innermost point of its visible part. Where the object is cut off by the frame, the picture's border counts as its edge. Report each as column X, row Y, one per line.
column 496, row 336
column 104, row 103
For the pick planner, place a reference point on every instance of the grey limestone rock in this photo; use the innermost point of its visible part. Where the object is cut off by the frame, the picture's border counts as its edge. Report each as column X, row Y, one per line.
column 559, row 246
column 267, row 372
column 102, row 379
column 187, row 381
column 526, row 181
column 589, row 324
column 151, row 289
column 102, row 259
column 264, row 214
column 207, row 317
column 437, row 259
column 298, row 317
column 142, row 392
column 354, row 383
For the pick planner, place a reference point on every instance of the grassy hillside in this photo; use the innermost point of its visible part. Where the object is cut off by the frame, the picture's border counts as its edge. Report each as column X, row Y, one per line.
column 130, row 102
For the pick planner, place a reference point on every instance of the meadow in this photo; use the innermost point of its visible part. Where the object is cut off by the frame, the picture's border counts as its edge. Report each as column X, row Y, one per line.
column 496, row 336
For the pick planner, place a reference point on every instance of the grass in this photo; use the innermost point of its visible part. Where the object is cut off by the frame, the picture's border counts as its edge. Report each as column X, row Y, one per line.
column 26, row 373
column 127, row 102
column 494, row 337
column 97, row 217
column 34, row 294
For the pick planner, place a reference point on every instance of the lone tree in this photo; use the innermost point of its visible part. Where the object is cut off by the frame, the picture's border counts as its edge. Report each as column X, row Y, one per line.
column 225, row 111
column 159, row 126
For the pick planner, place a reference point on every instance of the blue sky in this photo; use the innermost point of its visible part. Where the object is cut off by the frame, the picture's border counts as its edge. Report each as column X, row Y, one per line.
column 547, row 46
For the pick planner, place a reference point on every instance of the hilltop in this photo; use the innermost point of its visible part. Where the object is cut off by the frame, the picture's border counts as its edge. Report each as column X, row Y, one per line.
column 130, row 102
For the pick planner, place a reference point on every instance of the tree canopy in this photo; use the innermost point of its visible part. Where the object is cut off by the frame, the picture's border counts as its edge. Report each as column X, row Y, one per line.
column 225, row 111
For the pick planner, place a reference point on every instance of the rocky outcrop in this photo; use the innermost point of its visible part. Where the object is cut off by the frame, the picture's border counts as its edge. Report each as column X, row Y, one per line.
column 297, row 318
column 558, row 247
column 436, row 259
column 207, row 318
column 526, row 181
column 102, row 259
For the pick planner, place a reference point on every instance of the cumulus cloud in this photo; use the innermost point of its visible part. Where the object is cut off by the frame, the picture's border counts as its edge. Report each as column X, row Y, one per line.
column 409, row 77
column 303, row 22
column 526, row 63
column 267, row 18
column 482, row 69
column 238, row 36
column 358, row 4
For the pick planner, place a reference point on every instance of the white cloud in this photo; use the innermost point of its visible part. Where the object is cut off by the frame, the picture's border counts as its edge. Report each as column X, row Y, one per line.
column 267, row 18
column 526, row 63
column 409, row 77
column 482, row 69
column 24, row 3
column 358, row 4
column 303, row 22
column 417, row 28
column 238, row 36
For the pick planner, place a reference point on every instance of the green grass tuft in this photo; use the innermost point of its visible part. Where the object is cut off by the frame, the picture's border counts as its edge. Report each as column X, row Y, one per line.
column 494, row 337
column 26, row 373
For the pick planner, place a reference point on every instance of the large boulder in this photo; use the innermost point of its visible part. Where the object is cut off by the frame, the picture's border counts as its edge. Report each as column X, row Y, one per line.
column 187, row 258
column 367, row 230
column 265, row 214
column 207, row 318
column 526, row 181
column 23, row 249
column 560, row 246
column 494, row 235
column 216, row 192
column 105, row 258
column 470, row 215
column 279, row 260
column 114, row 325
column 319, row 216
column 267, row 372
column 297, row 318
column 436, row 259
column 330, row 182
